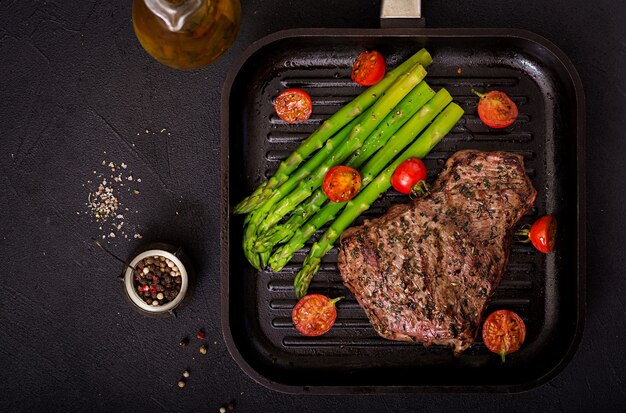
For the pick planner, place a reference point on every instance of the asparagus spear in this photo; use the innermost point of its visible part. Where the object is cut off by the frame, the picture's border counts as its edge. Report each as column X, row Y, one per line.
column 372, row 117
column 439, row 128
column 249, row 234
column 284, row 231
column 374, row 166
column 370, row 128
column 328, row 129
column 419, row 96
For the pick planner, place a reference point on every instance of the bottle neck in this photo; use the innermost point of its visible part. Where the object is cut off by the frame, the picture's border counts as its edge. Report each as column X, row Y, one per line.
column 173, row 13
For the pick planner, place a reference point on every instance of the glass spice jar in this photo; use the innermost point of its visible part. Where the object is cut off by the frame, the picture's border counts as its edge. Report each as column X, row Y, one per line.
column 186, row 34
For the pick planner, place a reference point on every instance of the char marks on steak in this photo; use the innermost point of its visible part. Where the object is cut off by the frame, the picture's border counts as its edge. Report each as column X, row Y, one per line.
column 424, row 271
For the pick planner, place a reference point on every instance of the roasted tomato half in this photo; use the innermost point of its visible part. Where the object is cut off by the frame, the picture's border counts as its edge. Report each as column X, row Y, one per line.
column 543, row 233
column 504, row 332
column 410, row 177
column 496, row 109
column 369, row 68
column 341, row 183
column 314, row 314
column 293, row 105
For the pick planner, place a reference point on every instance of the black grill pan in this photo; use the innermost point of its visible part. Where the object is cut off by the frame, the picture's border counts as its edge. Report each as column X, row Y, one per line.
column 546, row 290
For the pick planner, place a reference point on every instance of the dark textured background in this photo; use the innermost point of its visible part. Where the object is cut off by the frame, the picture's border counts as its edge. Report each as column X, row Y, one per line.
column 75, row 83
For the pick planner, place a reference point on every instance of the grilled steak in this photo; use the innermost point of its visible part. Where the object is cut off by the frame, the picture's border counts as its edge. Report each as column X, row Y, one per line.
column 424, row 271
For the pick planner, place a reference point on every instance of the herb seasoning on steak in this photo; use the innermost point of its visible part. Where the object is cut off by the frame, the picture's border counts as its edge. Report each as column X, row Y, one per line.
column 424, row 271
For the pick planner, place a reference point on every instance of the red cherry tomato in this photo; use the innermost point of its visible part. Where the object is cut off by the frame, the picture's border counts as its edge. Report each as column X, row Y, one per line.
column 496, row 109
column 504, row 332
column 293, row 105
column 314, row 314
column 368, row 68
column 341, row 183
column 543, row 233
column 408, row 175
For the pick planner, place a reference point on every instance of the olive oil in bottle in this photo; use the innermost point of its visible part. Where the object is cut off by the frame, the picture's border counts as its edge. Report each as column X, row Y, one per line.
column 186, row 34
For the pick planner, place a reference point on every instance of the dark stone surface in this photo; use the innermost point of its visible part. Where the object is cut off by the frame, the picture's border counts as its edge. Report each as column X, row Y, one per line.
column 78, row 89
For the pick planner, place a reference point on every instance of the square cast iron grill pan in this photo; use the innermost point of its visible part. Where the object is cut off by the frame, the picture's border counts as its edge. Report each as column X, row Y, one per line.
column 546, row 290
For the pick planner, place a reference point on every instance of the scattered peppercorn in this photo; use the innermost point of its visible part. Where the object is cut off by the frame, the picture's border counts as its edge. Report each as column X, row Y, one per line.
column 201, row 335
column 184, row 342
column 181, row 383
column 203, row 349
column 186, row 373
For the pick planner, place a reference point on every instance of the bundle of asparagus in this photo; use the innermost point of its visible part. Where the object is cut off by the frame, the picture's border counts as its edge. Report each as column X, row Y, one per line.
column 378, row 124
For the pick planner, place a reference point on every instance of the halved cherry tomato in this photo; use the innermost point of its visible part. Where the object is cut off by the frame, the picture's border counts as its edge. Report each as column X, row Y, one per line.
column 314, row 314
column 410, row 177
column 341, row 183
column 368, row 68
column 293, row 105
column 543, row 233
column 504, row 332
column 496, row 109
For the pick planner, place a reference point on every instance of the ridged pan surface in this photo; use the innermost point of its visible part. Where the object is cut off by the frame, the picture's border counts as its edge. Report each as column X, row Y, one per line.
column 546, row 290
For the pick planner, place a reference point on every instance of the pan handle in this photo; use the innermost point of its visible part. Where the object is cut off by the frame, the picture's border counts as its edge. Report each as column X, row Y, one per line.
column 401, row 13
